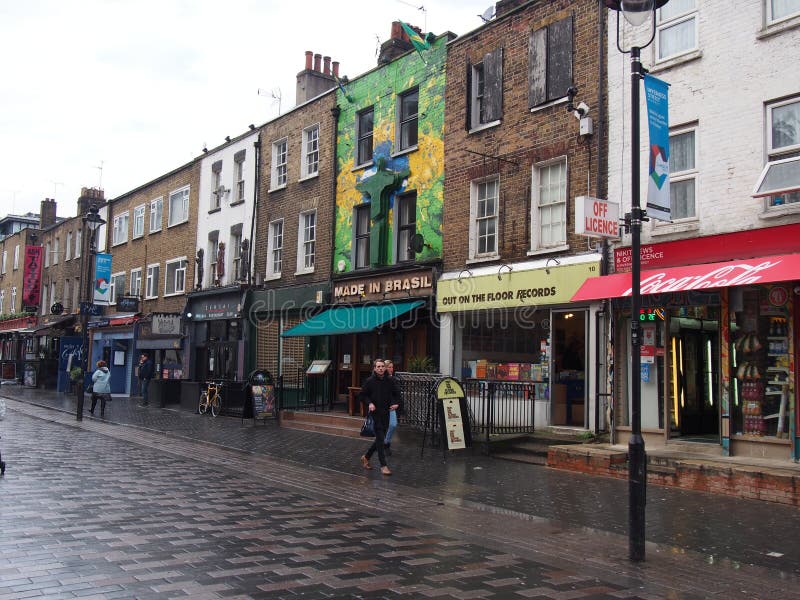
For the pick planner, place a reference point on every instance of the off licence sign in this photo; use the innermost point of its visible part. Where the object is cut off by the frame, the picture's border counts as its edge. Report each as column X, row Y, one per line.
column 595, row 217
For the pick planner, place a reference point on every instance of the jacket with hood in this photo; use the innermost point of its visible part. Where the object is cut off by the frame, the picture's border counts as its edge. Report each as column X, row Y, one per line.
column 101, row 379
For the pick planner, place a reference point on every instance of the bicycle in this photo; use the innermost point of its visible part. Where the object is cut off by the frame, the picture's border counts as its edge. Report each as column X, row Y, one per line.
column 211, row 398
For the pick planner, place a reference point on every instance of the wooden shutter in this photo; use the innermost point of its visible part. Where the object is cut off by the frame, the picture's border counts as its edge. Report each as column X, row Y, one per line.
column 559, row 58
column 469, row 96
column 537, row 68
column 493, row 85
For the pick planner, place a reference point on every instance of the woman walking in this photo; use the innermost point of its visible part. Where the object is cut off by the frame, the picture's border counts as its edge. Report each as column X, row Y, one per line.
column 101, row 387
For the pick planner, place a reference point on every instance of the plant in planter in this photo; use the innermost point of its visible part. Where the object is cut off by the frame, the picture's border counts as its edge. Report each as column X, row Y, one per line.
column 421, row 364
column 76, row 377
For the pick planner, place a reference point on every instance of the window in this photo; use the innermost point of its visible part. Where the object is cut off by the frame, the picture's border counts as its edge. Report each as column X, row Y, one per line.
column 67, row 247
column 156, row 208
column 213, row 248
column 47, row 252
column 682, row 175
column 136, row 283
column 238, row 175
column 275, row 249
column 13, row 300
column 117, row 287
column 175, row 282
column 407, row 119
column 178, row 207
column 676, row 26
column 216, row 186
column 306, row 238
column 550, row 62
column 53, row 292
column 76, row 287
column 5, row 260
column 66, row 293
column 310, row 153
column 779, row 10
column 364, row 126
column 361, row 237
column 78, row 240
column 3, row 301
column 236, row 252
column 120, row 234
column 780, row 178
column 549, row 202
column 485, row 90
column 483, row 217
column 152, row 281
column 16, row 257
column 138, row 221
column 406, row 226
column 56, row 252
column 279, row 154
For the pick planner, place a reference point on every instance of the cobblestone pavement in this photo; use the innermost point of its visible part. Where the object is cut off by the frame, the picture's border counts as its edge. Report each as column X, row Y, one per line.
column 217, row 509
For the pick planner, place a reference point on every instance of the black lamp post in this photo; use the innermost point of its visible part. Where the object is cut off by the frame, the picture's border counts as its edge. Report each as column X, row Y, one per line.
column 636, row 12
column 91, row 221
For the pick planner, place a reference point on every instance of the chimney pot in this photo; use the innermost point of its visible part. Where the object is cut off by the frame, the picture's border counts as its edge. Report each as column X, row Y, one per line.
column 335, row 65
column 327, row 63
column 317, row 61
column 309, row 54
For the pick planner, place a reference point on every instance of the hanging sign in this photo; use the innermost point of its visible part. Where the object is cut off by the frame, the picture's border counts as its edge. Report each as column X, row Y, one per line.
column 102, row 279
column 596, row 218
column 32, row 276
column 656, row 95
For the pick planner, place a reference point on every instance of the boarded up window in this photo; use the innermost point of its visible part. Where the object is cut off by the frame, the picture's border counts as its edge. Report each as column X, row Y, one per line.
column 485, row 90
column 550, row 62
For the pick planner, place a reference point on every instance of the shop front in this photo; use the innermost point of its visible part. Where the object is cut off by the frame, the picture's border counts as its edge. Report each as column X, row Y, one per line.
column 516, row 323
column 160, row 337
column 388, row 315
column 112, row 339
column 718, row 344
column 15, row 346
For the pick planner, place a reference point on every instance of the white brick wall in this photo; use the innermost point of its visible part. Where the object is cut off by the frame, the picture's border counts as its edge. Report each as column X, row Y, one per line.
column 739, row 66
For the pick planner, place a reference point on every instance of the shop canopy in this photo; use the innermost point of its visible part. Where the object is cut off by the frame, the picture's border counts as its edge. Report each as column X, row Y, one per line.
column 351, row 319
column 706, row 277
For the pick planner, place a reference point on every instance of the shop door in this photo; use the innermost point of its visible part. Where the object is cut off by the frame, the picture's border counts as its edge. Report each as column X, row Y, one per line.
column 222, row 360
column 695, row 374
column 568, row 397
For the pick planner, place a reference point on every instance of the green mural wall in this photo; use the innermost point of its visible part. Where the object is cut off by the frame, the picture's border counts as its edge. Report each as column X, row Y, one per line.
column 380, row 88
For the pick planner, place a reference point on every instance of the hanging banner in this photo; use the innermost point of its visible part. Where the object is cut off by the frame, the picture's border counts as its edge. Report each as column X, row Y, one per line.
column 656, row 95
column 102, row 279
column 32, row 276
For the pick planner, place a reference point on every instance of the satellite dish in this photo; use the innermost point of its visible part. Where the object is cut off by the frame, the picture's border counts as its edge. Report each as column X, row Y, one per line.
column 416, row 243
column 488, row 14
column 57, row 308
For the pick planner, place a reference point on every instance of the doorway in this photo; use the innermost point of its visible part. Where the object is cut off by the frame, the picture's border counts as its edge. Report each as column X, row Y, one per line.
column 568, row 337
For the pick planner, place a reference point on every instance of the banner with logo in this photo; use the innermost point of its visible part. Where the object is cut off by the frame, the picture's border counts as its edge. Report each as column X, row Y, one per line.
column 656, row 95
column 32, row 276
column 102, row 279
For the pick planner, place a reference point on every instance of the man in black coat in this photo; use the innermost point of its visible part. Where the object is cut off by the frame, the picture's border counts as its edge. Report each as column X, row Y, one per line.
column 145, row 375
column 379, row 394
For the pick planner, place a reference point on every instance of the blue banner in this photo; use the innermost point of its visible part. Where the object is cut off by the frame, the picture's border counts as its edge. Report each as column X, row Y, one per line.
column 657, row 97
column 102, row 279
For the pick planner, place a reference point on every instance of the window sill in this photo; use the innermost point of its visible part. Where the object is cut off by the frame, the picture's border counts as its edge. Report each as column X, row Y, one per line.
column 151, row 297
column 776, row 212
column 541, row 107
column 276, row 189
column 549, row 250
column 215, row 210
column 174, row 294
column 677, row 227
column 151, row 231
column 307, row 177
column 363, row 166
column 778, row 27
column 178, row 223
column 113, row 245
column 272, row 276
column 675, row 61
column 237, row 202
column 305, row 272
column 405, row 151
column 482, row 259
column 484, row 126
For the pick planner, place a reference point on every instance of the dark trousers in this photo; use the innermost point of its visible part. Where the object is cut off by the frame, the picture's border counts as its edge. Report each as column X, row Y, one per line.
column 103, row 399
column 145, row 391
column 378, row 445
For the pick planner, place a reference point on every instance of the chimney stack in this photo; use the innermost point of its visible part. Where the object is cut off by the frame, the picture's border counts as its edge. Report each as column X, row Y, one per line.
column 326, row 69
column 309, row 54
column 88, row 197
column 335, row 65
column 397, row 44
column 315, row 79
column 47, row 213
column 317, row 62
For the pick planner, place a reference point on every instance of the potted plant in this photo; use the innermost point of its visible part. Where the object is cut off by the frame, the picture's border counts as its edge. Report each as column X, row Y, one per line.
column 421, row 364
column 76, row 377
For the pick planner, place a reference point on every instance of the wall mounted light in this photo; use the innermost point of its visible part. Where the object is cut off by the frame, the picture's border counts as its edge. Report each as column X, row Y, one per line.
column 462, row 272
column 500, row 271
column 547, row 264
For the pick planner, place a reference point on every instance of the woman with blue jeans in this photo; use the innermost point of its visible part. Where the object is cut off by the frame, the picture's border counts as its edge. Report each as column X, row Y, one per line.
column 392, row 413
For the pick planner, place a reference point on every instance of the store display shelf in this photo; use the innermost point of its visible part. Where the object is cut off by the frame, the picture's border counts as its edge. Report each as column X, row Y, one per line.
column 773, row 393
column 776, row 382
column 777, row 370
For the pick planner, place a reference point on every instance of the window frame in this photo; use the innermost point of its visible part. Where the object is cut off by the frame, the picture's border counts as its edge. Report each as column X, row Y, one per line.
column 404, row 120
column 474, row 225
column 309, row 154
column 180, row 269
column 78, row 243
column 183, row 192
column 235, row 244
column 279, row 169
column 546, row 75
column 152, row 281
column 402, row 227
column 238, row 179
column 114, row 283
column 537, row 245
column 272, row 248
column 673, row 21
column 56, row 251
column 303, row 243
column 138, row 221
column 67, row 247
column 362, row 136
column 769, row 20
column 361, row 237
column 778, row 159
column 119, row 234
column 156, row 209
column 485, row 91
column 16, row 257
column 136, row 277
column 685, row 175
column 47, row 251
column 67, row 296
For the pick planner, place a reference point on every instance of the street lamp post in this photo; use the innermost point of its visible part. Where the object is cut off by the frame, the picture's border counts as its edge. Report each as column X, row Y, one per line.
column 91, row 221
column 636, row 12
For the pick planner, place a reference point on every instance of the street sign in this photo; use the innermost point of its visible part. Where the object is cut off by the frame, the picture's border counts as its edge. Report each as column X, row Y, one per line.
column 87, row 308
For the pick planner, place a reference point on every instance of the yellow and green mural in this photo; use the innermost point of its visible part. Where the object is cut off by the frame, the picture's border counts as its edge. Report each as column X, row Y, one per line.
column 392, row 173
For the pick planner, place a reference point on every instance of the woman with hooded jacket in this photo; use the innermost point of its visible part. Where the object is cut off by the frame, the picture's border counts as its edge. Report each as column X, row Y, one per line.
column 101, row 387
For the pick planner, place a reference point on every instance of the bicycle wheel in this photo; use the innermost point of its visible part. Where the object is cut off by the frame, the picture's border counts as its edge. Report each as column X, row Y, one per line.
column 216, row 401
column 203, row 406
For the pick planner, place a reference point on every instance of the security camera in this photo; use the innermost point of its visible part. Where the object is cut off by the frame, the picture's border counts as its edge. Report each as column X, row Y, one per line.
column 581, row 110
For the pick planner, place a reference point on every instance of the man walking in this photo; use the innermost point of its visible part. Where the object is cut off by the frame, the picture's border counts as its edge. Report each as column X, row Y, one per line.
column 378, row 394
column 145, row 375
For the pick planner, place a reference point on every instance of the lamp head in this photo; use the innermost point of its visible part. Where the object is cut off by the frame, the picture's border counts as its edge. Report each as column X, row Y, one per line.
column 93, row 220
column 636, row 12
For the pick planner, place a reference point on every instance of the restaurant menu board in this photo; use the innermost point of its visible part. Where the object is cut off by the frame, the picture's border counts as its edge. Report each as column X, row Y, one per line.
column 263, row 401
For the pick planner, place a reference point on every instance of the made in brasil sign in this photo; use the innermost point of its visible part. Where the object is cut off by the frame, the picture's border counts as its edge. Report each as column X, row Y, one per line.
column 657, row 97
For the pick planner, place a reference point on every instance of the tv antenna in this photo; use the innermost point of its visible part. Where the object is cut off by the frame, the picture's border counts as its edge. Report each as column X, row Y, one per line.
column 55, row 187
column 100, row 168
column 274, row 93
column 424, row 13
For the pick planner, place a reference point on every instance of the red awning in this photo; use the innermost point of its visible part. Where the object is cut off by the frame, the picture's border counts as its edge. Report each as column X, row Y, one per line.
column 765, row 269
column 125, row 320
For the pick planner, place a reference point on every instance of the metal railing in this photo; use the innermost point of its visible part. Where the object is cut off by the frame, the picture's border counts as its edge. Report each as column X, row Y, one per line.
column 297, row 391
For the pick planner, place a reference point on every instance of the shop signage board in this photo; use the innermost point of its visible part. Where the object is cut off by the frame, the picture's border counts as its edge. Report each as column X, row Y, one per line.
column 166, row 323
column 412, row 284
column 529, row 288
column 453, row 414
column 596, row 218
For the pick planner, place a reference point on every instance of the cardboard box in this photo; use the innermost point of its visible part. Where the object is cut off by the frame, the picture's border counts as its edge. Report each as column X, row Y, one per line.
column 480, row 369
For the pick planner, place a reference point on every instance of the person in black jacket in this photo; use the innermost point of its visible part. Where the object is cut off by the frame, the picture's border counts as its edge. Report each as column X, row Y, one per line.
column 379, row 394
column 145, row 375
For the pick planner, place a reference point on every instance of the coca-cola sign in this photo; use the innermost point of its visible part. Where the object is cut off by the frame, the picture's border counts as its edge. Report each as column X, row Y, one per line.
column 694, row 277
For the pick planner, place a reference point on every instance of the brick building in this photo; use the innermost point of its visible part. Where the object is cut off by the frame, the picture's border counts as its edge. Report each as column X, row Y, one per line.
column 524, row 138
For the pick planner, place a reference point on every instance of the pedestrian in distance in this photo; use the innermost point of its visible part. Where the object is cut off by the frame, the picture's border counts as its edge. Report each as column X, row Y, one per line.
column 145, row 375
column 378, row 394
column 101, row 387
column 2, row 416
column 393, row 410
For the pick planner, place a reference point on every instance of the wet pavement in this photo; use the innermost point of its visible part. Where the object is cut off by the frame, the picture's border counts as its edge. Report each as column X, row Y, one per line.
column 153, row 502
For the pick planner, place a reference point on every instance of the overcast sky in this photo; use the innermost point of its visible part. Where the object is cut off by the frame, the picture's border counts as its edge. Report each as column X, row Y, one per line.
column 139, row 86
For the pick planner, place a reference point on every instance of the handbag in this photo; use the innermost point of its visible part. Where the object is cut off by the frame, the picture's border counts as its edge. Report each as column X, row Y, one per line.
column 368, row 428
column 90, row 388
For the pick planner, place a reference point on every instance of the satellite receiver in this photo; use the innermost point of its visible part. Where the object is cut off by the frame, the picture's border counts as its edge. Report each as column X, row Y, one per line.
column 488, row 14
column 416, row 243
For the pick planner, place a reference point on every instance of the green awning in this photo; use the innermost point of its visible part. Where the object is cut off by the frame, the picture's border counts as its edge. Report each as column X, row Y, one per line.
column 351, row 319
